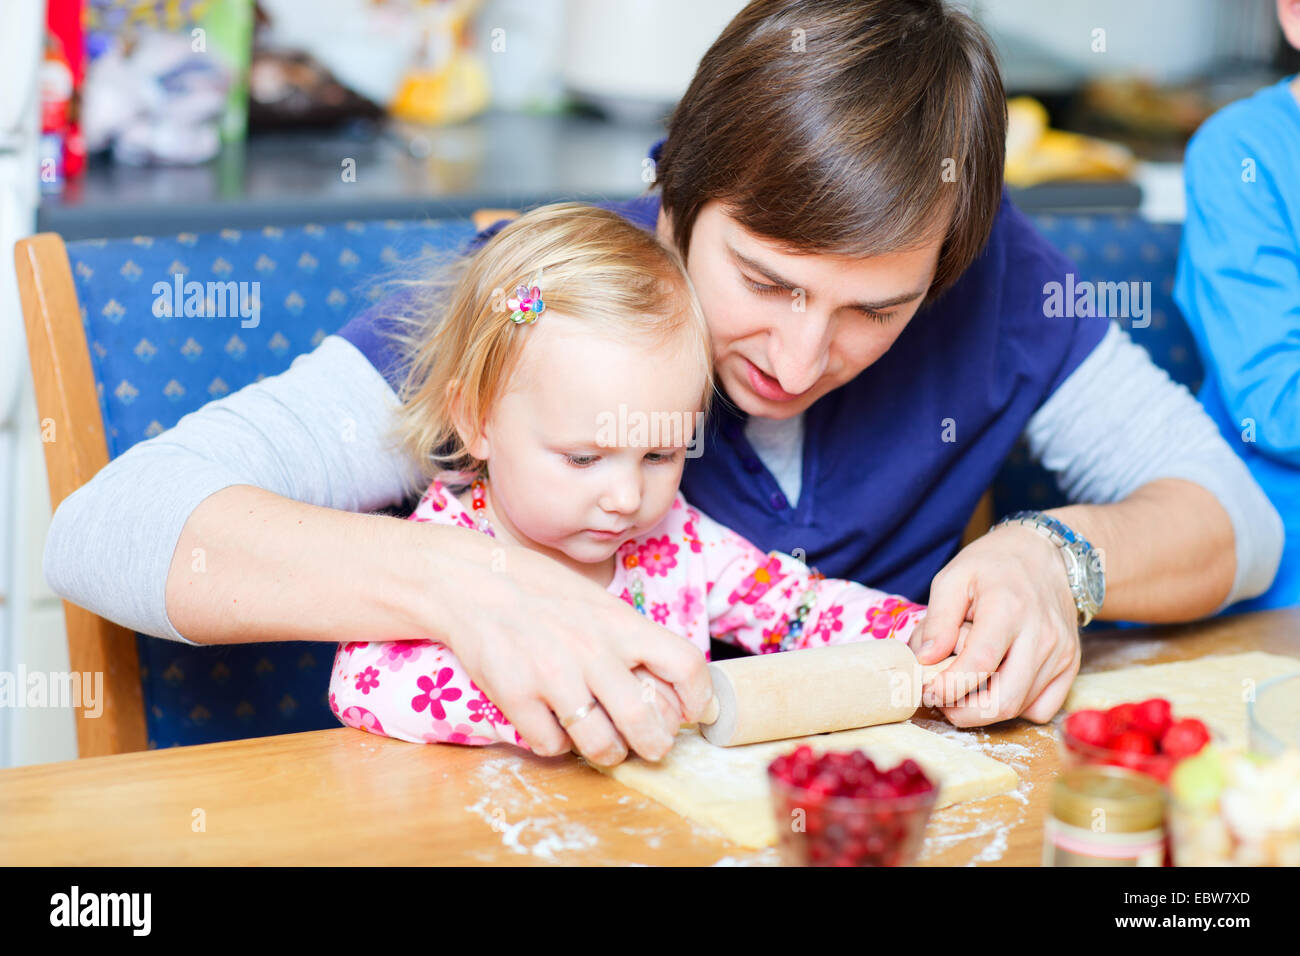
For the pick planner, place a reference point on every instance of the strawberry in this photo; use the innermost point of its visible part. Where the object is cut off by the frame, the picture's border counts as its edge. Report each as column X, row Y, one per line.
column 1184, row 738
column 1088, row 726
column 1120, row 718
column 1133, row 742
column 1129, row 760
column 1152, row 718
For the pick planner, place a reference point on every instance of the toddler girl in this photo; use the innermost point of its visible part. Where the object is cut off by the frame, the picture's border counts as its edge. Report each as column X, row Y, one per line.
column 559, row 419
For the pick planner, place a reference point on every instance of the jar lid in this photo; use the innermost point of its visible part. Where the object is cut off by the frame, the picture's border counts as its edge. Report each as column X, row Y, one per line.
column 1108, row 799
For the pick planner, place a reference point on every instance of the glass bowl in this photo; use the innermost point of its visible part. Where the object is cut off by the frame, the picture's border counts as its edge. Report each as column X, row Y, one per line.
column 817, row 830
column 1274, row 716
column 1077, row 753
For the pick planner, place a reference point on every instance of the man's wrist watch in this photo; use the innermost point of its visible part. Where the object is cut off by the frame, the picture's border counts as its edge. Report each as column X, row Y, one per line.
column 1082, row 562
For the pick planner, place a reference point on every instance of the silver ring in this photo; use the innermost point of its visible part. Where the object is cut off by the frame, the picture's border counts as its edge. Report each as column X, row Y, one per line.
column 577, row 715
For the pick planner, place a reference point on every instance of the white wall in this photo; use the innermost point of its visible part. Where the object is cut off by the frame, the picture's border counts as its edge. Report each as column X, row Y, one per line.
column 39, row 637
column 32, row 631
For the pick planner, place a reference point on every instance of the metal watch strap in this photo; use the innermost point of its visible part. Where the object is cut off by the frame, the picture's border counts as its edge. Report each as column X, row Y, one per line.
column 1075, row 552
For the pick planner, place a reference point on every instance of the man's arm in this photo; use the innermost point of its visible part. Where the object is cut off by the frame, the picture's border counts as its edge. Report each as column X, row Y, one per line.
column 1184, row 528
column 252, row 565
column 313, row 434
column 1161, row 565
column 1115, row 432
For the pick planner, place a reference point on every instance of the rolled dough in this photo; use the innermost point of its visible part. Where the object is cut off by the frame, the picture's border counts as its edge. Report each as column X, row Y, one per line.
column 1214, row 689
column 727, row 788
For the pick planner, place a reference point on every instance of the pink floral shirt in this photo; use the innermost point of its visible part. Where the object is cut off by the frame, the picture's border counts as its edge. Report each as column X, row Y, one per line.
column 695, row 577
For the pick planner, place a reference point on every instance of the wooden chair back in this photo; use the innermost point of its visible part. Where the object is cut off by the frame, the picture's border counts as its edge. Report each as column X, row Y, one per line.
column 72, row 430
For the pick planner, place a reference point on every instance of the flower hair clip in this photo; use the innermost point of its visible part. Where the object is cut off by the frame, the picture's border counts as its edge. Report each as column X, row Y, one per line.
column 526, row 304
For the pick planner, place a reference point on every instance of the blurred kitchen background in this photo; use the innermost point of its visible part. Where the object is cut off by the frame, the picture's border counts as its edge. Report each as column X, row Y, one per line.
column 149, row 117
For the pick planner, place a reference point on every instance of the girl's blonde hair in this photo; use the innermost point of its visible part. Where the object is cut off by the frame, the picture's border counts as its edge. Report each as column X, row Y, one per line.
column 454, row 338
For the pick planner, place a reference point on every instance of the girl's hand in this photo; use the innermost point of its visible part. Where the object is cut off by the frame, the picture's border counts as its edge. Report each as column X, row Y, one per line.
column 1023, row 634
column 542, row 641
column 663, row 696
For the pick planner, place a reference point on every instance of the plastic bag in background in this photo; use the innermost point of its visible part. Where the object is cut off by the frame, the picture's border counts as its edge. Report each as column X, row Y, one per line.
column 167, row 82
column 153, row 99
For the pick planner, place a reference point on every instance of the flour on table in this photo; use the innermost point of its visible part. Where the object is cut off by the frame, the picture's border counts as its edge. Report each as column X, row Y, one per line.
column 1134, row 652
column 510, row 807
column 768, row 857
column 727, row 789
column 968, row 822
column 941, row 835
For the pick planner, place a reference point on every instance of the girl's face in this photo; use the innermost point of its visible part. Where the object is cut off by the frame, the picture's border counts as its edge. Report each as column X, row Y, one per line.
column 586, row 447
column 788, row 328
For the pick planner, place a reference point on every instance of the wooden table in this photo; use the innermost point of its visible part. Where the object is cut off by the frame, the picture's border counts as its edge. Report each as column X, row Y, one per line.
column 343, row 797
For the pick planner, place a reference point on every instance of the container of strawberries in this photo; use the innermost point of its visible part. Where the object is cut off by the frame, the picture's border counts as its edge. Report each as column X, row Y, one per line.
column 1141, row 736
column 840, row 809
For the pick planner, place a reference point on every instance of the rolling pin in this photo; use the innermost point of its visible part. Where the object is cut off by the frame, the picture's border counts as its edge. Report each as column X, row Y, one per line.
column 795, row 693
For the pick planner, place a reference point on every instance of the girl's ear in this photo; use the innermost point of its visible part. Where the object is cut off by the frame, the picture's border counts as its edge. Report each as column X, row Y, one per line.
column 479, row 447
column 473, row 438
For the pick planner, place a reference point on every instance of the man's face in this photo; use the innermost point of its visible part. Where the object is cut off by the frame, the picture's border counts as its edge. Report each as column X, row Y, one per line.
column 789, row 328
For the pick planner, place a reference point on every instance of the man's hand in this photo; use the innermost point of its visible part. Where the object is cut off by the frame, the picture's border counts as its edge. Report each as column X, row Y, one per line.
column 1023, row 635
column 542, row 642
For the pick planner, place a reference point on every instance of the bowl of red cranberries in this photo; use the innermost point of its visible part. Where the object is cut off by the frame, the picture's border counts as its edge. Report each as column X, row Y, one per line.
column 840, row 809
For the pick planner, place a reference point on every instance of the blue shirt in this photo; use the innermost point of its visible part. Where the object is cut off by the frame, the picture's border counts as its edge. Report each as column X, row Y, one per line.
column 885, row 498
column 1238, row 286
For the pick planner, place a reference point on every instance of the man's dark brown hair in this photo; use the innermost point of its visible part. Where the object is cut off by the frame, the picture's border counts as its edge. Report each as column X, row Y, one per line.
column 828, row 126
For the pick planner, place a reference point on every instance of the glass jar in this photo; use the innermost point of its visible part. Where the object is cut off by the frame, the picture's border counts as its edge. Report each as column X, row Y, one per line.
column 1105, row 816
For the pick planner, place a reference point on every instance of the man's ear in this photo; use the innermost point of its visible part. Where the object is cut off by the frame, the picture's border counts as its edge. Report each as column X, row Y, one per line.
column 664, row 228
column 473, row 438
